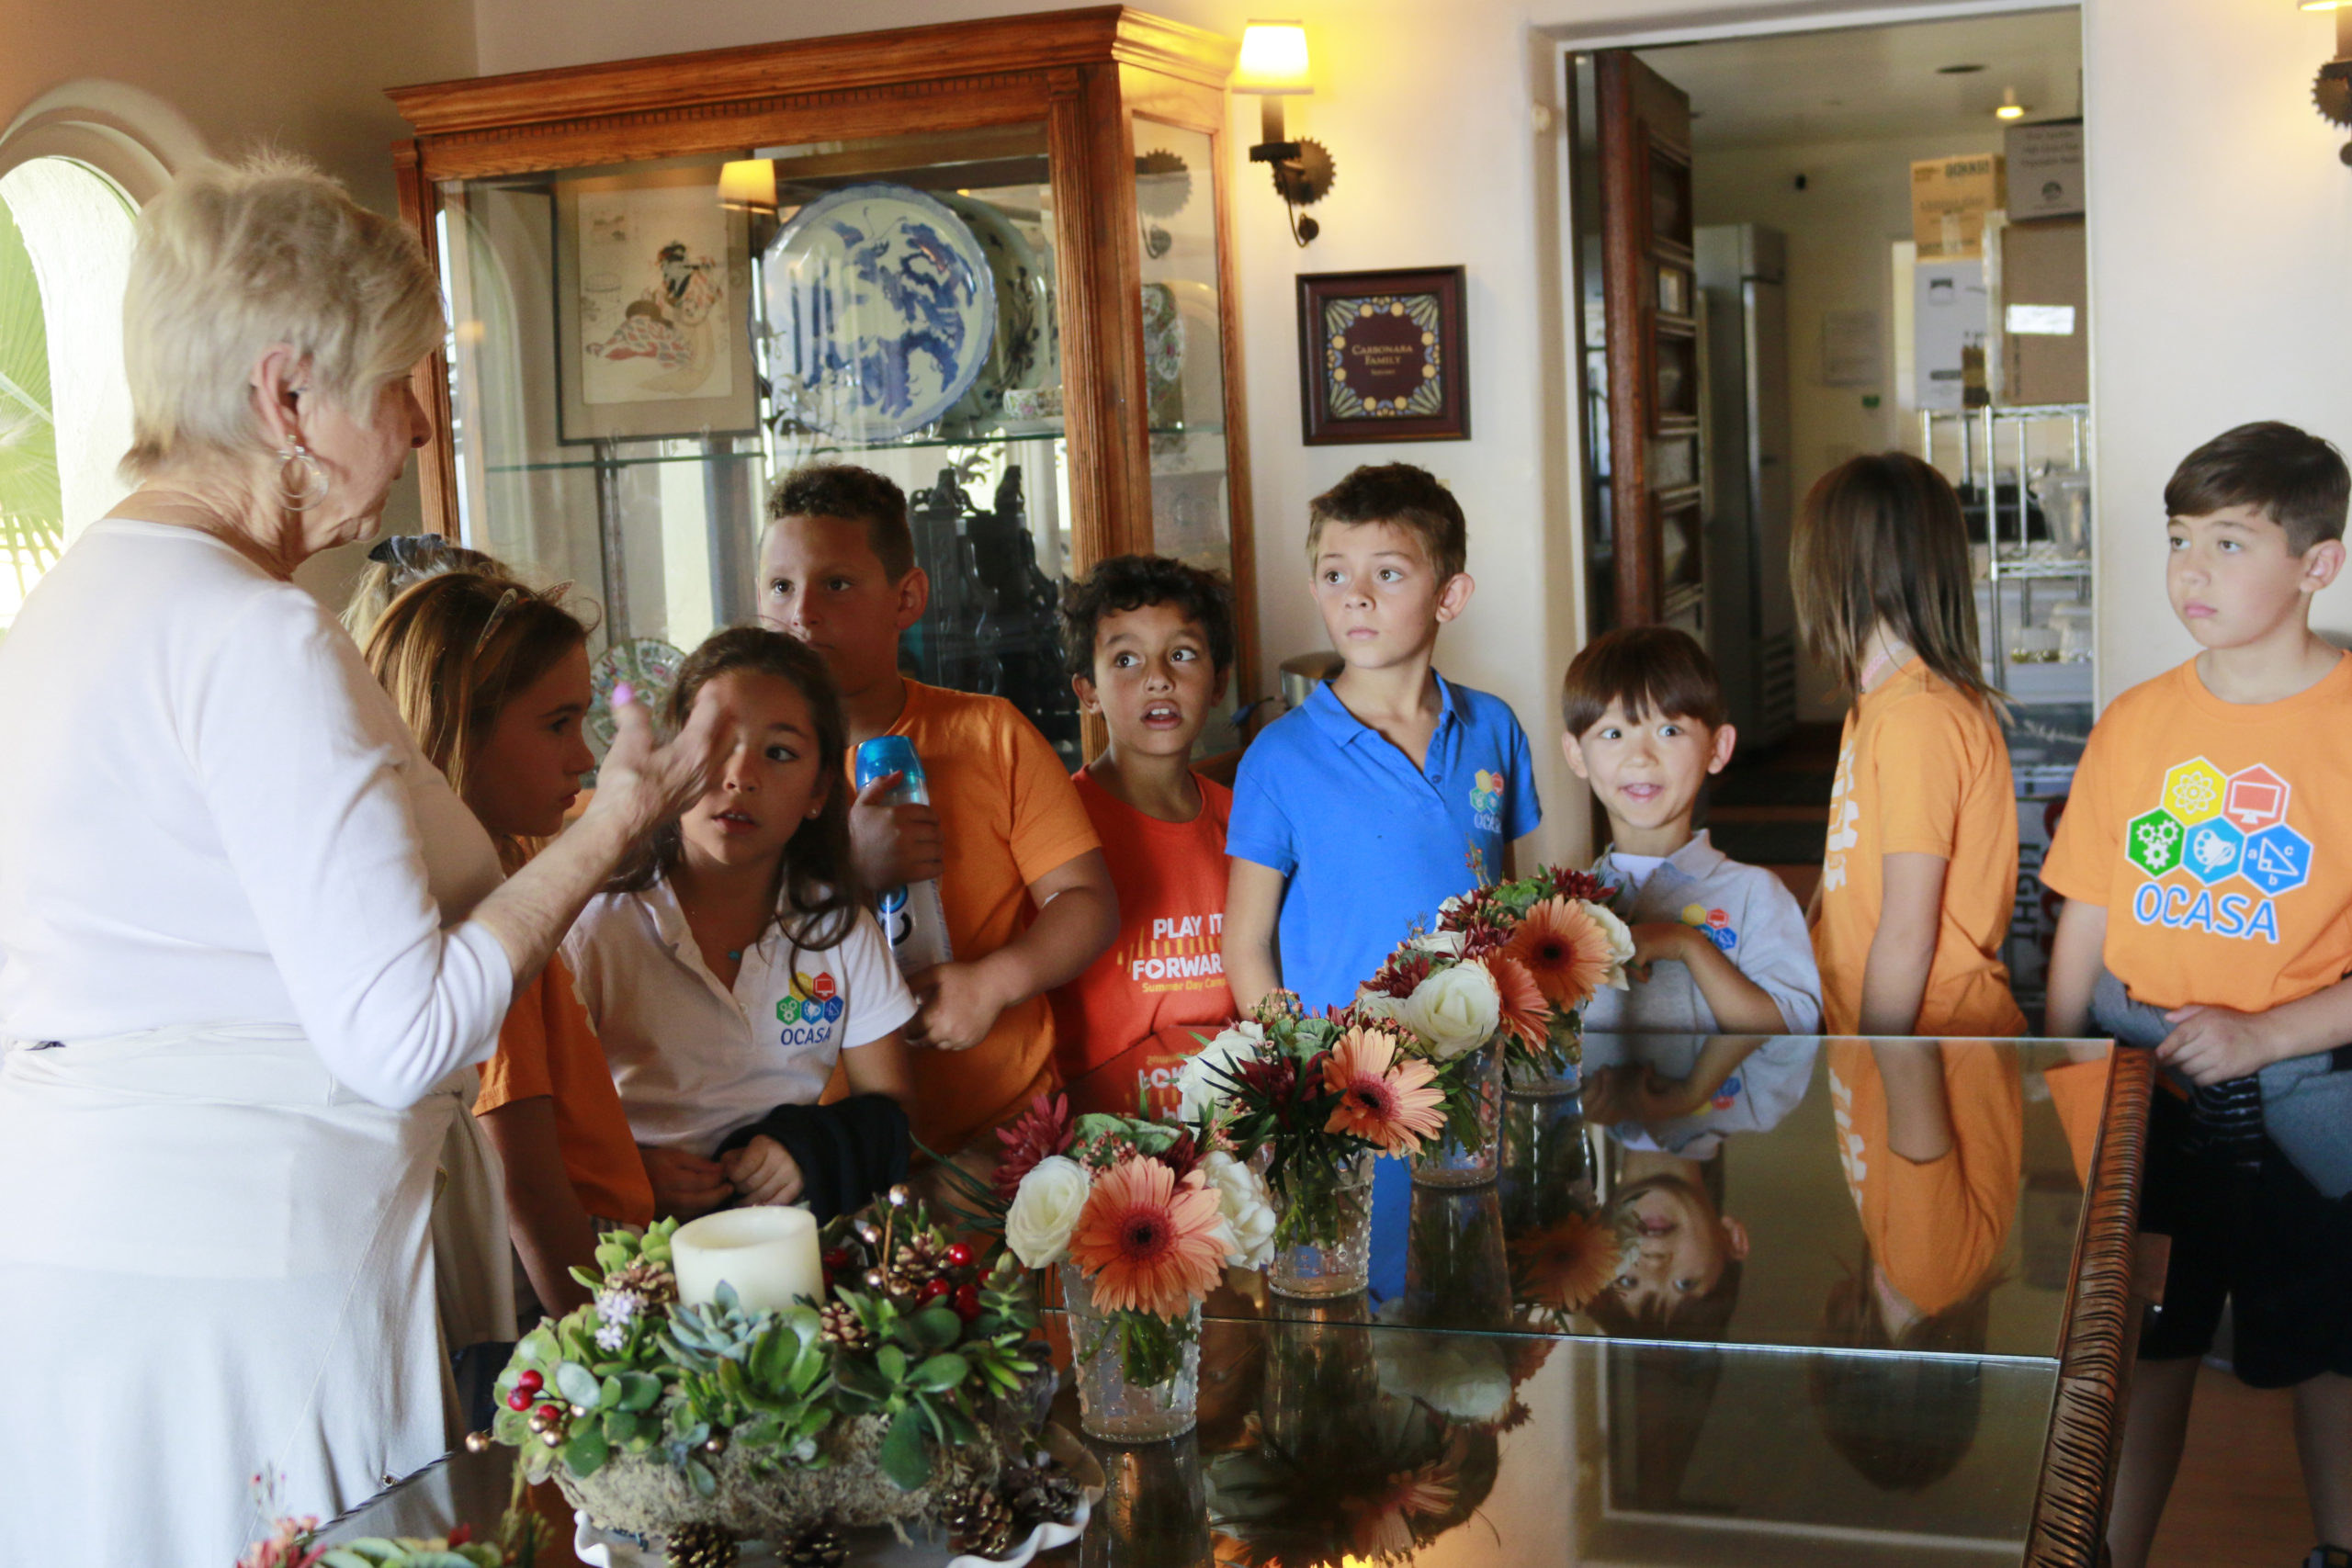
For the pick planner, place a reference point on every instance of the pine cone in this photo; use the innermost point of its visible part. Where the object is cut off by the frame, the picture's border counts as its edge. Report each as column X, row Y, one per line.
column 819, row 1546
column 1040, row 1492
column 654, row 1285
column 977, row 1520
column 841, row 1326
column 702, row 1546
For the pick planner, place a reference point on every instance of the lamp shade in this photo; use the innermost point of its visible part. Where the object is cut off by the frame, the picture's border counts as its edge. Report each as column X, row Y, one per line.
column 748, row 183
column 1274, row 59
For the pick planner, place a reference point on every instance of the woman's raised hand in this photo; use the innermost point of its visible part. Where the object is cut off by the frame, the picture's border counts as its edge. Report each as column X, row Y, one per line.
column 655, row 782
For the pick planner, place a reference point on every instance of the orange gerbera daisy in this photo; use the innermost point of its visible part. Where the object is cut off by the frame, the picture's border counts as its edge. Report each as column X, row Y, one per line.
column 1563, row 1267
column 1391, row 1103
column 1525, row 1014
column 1381, row 1526
column 1565, row 949
column 1148, row 1244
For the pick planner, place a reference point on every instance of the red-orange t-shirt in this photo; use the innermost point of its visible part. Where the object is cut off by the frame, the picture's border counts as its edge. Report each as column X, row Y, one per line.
column 547, row 1046
column 1165, row 975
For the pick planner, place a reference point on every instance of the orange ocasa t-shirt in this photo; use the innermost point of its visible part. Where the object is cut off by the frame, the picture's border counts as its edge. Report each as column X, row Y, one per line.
column 2218, row 837
column 548, row 1046
column 1165, row 975
column 1008, row 814
column 1922, row 769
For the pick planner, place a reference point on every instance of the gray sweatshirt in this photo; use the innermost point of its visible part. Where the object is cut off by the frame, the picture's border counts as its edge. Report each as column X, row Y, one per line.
column 1747, row 913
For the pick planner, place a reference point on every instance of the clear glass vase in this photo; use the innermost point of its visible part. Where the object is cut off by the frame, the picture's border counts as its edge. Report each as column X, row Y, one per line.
column 1527, row 1078
column 1323, row 1230
column 1103, row 1349
column 1460, row 1156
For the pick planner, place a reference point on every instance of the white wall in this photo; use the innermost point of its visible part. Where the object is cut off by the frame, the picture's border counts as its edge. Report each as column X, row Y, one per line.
column 2221, row 247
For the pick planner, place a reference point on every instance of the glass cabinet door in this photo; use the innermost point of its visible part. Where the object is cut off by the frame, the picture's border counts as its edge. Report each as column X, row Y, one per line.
column 642, row 350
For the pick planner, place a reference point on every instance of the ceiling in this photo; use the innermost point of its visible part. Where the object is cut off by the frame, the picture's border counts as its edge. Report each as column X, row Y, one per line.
column 1865, row 82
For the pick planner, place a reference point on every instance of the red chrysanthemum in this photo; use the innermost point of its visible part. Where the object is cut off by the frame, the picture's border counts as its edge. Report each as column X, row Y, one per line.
column 1044, row 1129
column 1565, row 949
column 1387, row 1102
column 1147, row 1243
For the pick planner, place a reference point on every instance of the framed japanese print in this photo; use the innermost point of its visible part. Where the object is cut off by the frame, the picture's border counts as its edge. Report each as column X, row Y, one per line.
column 652, row 286
column 1383, row 357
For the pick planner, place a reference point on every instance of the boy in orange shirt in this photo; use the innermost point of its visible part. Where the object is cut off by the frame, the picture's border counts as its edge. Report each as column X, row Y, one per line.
column 1028, row 896
column 2205, row 860
column 1149, row 643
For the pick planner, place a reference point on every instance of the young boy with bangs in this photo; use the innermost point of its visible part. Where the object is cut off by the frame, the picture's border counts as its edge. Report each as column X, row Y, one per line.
column 1393, row 789
column 1028, row 897
column 2205, row 860
column 1720, row 949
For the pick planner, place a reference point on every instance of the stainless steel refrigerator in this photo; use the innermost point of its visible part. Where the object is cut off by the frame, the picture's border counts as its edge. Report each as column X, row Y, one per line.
column 1751, row 617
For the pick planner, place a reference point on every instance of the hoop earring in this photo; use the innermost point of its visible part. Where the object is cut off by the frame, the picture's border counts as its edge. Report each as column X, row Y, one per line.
column 301, row 482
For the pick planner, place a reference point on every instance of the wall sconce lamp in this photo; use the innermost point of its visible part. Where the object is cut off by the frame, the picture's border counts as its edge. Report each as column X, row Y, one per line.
column 2331, row 89
column 1273, row 67
column 748, row 184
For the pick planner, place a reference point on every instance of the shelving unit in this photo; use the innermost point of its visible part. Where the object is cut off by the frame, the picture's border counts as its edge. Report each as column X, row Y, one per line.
column 1979, row 436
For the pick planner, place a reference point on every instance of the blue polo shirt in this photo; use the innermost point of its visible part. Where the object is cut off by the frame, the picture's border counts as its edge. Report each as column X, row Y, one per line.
column 1368, row 843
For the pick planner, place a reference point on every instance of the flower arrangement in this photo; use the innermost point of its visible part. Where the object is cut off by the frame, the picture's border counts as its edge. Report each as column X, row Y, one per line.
column 1547, row 942
column 1371, row 1481
column 899, row 1395
column 294, row 1542
column 1146, row 1213
column 1313, row 1094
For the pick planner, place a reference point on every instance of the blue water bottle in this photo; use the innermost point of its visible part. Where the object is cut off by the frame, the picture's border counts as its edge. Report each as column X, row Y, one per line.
column 913, row 918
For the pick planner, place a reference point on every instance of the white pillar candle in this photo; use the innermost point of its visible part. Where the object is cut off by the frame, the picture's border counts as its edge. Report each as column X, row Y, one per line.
column 769, row 1255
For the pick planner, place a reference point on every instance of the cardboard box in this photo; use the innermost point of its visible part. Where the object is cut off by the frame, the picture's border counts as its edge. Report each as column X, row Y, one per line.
column 2045, row 322
column 2045, row 164
column 1949, row 198
column 1950, row 316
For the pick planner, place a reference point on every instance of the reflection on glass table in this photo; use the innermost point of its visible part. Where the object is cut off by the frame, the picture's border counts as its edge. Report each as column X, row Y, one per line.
column 1778, row 1215
column 1329, row 1442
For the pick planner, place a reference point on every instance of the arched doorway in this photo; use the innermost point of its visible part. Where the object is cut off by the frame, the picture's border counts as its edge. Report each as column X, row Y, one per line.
column 66, row 240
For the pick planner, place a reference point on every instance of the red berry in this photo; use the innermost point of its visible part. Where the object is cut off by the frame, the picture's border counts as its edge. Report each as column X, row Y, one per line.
column 932, row 1290
column 967, row 1302
column 959, row 1256
column 519, row 1399
column 531, row 1382
column 837, row 1258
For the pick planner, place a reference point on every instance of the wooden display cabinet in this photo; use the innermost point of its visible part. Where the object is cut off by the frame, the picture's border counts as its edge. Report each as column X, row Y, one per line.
column 636, row 357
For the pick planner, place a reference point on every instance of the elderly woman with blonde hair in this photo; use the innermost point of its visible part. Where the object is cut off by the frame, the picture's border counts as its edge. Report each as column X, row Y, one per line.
column 247, row 932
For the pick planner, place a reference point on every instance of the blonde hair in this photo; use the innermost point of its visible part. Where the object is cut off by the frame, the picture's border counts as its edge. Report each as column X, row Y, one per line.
column 1880, row 542
column 232, row 260
column 397, row 563
column 453, row 650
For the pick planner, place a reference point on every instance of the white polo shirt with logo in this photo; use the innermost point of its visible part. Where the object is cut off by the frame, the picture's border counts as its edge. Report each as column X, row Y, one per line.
column 695, row 1061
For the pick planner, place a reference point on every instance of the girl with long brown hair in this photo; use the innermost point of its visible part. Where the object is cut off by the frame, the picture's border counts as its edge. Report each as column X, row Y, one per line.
column 733, row 970
column 1921, row 864
column 493, row 680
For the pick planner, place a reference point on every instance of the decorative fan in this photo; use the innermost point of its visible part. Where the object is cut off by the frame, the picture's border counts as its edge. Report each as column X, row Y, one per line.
column 32, row 510
column 646, row 663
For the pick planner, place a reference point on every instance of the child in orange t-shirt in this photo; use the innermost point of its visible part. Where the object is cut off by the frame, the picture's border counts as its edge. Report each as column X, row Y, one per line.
column 2206, row 859
column 1149, row 643
column 1021, row 873
column 1921, row 865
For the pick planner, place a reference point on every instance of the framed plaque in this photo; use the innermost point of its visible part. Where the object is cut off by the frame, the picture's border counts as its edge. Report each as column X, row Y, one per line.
column 1383, row 357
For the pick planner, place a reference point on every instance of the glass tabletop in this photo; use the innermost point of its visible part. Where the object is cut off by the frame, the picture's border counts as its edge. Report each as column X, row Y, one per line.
column 1325, row 1441
column 1777, row 1215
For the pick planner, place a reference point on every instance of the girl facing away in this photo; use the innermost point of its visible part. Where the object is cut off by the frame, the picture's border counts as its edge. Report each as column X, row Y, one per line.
column 492, row 678
column 733, row 967
column 1920, row 868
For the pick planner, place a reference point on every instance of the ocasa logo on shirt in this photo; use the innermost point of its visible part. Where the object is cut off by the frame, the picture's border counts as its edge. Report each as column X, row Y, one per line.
column 812, row 1001
column 1712, row 924
column 1486, row 800
column 2216, row 829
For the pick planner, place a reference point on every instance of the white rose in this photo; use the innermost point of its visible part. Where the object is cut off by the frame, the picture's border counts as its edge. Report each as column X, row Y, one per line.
column 1044, row 1210
column 1454, row 1009
column 1249, row 1212
column 1621, row 942
column 1455, row 1375
column 1200, row 1081
column 1371, row 1004
column 1446, row 943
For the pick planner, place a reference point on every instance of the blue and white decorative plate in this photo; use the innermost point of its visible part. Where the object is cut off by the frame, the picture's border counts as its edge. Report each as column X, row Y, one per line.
column 880, row 311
